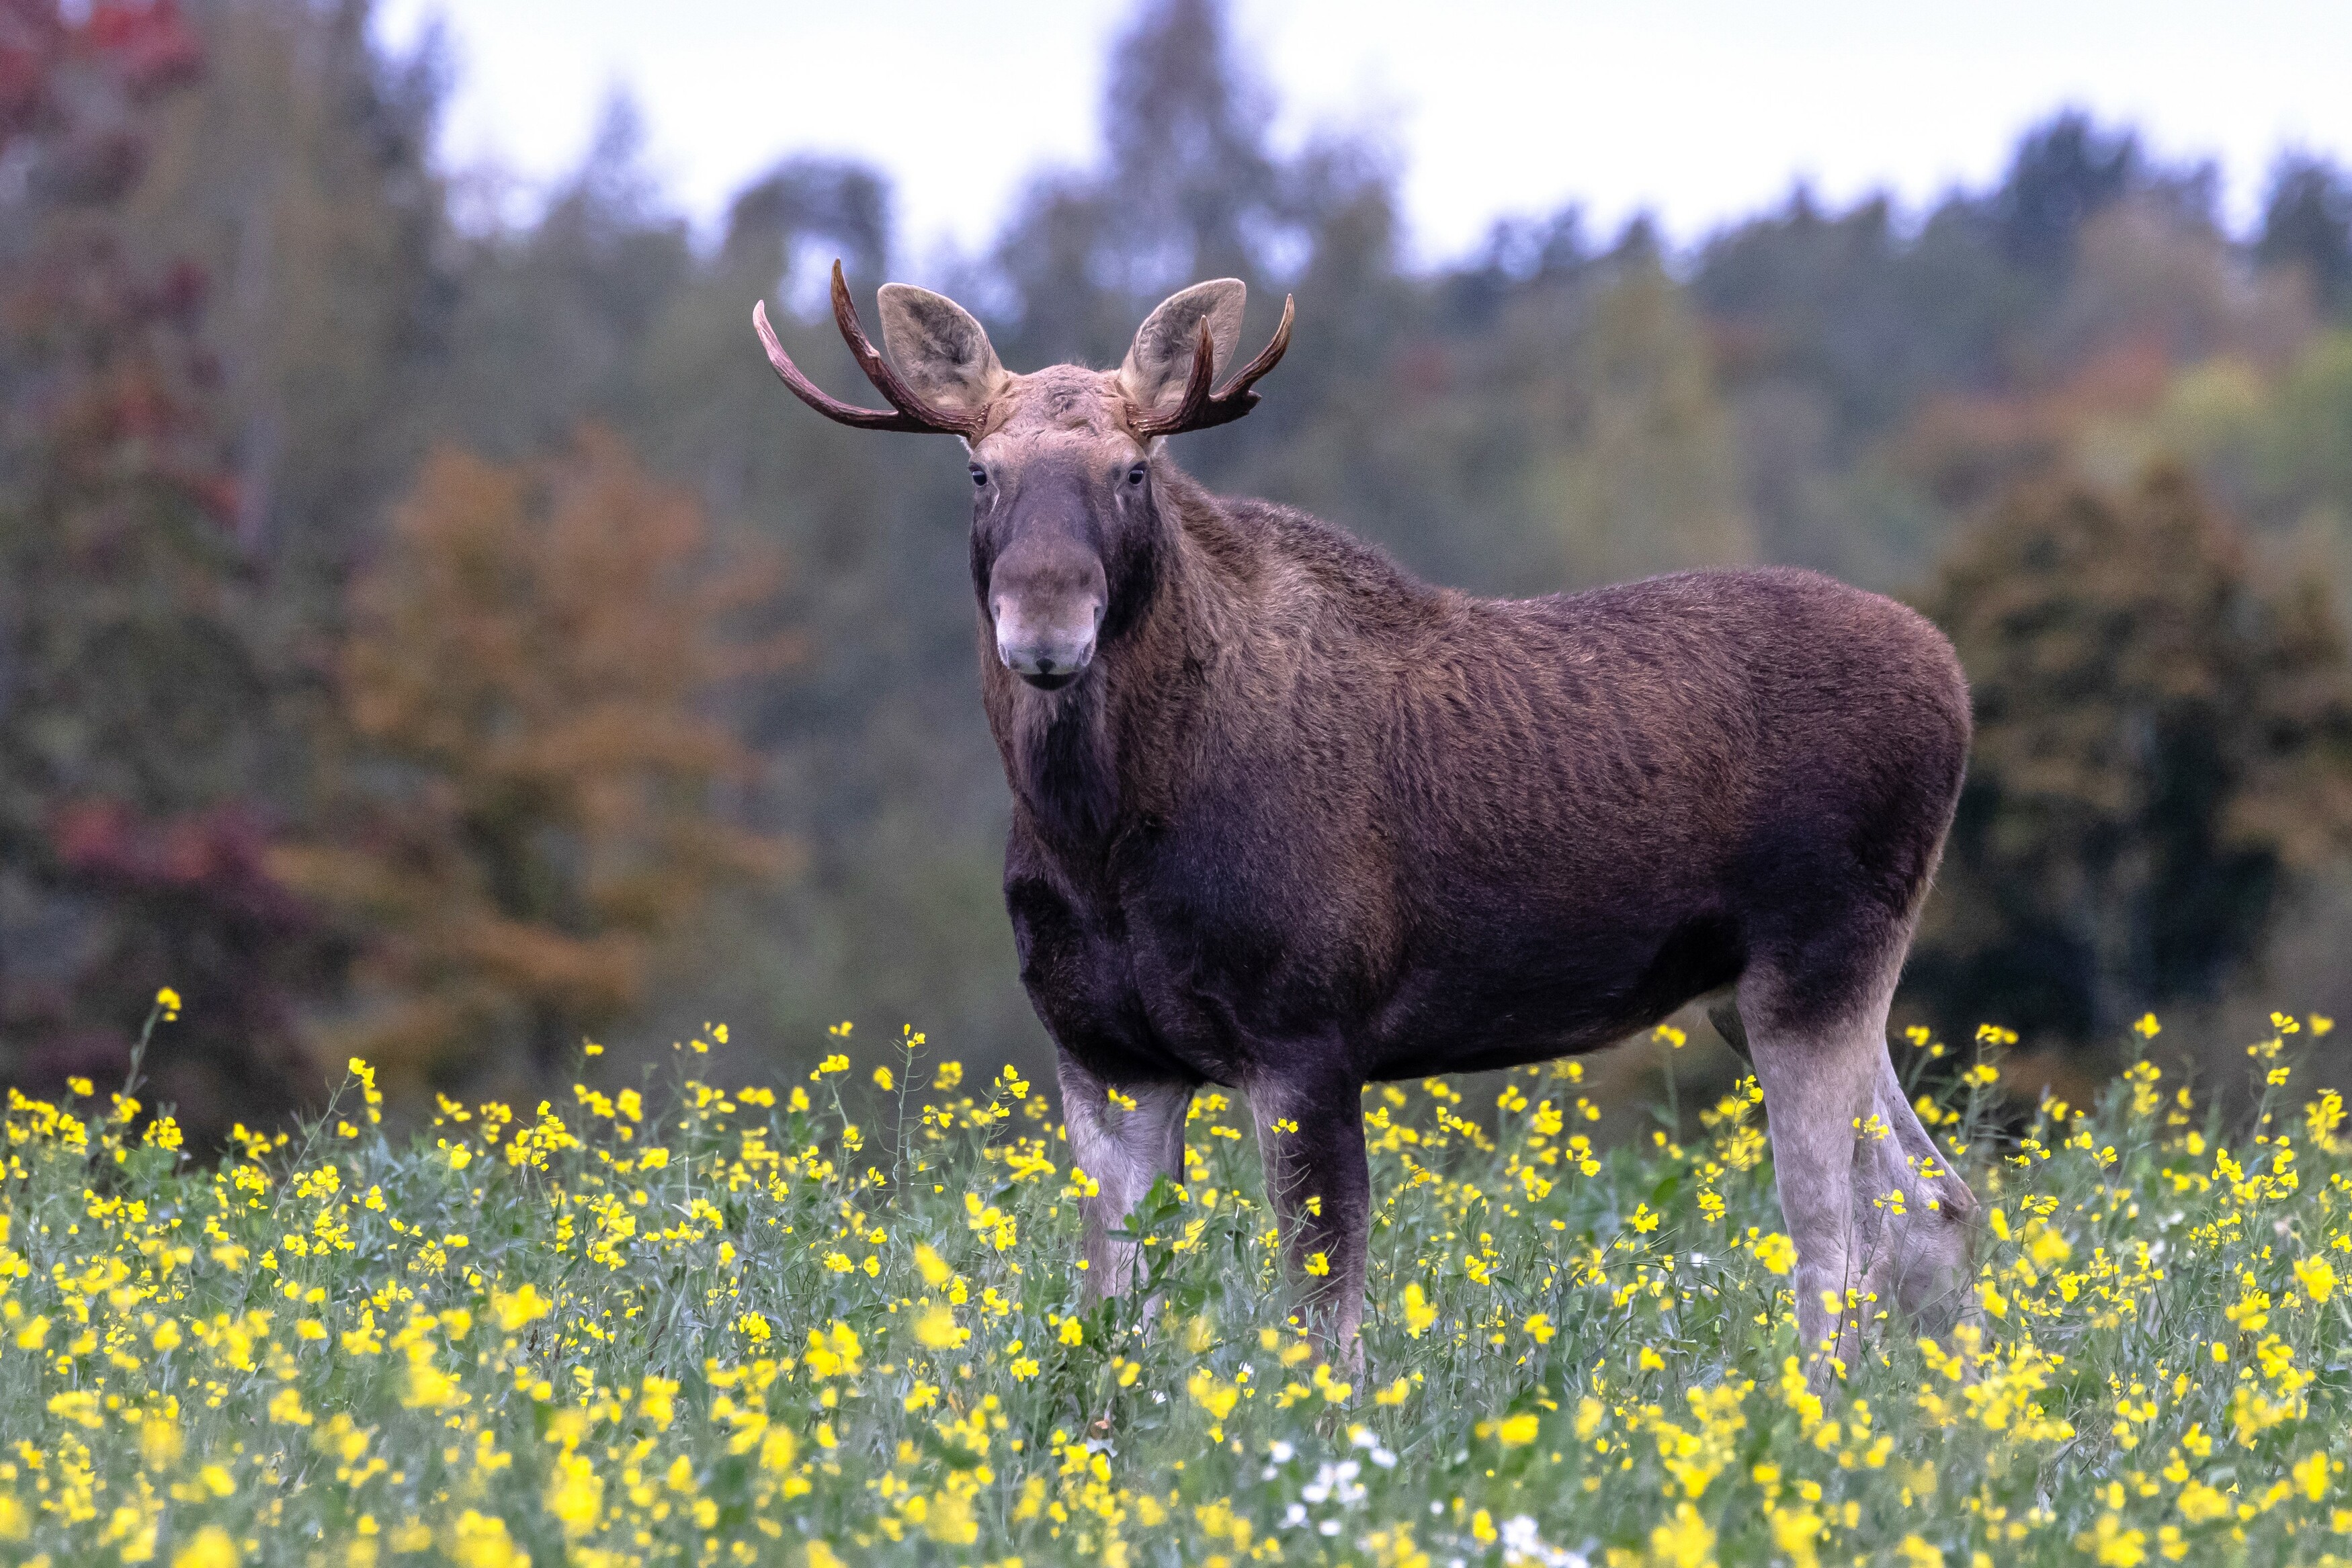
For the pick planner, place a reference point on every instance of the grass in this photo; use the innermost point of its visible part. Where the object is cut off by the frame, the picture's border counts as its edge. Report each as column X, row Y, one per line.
column 747, row 1327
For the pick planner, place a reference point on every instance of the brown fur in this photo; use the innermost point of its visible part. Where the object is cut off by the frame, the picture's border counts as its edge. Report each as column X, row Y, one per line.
column 1288, row 820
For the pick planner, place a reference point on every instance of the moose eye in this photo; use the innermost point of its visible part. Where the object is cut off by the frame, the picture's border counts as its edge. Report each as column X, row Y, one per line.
column 1135, row 476
column 979, row 476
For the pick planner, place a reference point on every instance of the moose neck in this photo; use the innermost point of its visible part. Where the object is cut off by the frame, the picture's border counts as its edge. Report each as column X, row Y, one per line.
column 1100, row 756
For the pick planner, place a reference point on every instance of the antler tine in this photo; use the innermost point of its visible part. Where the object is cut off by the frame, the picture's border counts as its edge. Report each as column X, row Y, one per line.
column 913, row 414
column 1267, row 358
column 1188, row 413
column 1203, row 411
column 816, row 397
column 886, row 380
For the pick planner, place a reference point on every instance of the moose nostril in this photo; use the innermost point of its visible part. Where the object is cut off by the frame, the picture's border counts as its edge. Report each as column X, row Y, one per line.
column 1044, row 664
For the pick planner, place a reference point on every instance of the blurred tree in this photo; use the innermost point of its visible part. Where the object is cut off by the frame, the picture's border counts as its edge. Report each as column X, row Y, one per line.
column 1194, row 192
column 2065, row 173
column 295, row 174
column 135, row 695
column 1636, row 472
column 2163, row 744
column 1188, row 190
column 531, row 800
column 2307, row 226
column 553, row 320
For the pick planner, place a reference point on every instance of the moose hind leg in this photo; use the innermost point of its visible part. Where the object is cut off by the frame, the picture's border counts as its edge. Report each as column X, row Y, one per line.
column 1928, row 1235
column 1844, row 1142
column 1122, row 1148
column 1310, row 1132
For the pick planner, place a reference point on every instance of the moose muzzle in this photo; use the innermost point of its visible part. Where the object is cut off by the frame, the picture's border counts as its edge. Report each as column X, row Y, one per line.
column 1046, row 596
column 1047, row 645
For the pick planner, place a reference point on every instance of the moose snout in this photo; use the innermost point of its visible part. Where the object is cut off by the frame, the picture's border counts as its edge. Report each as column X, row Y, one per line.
column 1047, row 650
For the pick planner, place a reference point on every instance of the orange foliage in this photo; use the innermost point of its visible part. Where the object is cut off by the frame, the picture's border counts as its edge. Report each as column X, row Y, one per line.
column 529, row 790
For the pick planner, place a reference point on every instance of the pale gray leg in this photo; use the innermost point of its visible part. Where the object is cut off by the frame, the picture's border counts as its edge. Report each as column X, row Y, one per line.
column 1121, row 1150
column 1844, row 1141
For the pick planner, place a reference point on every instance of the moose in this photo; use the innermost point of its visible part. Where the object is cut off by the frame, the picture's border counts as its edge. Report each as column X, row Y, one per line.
column 1289, row 821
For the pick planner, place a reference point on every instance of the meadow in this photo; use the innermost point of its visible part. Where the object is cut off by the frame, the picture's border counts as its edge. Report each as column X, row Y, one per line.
column 841, row 1320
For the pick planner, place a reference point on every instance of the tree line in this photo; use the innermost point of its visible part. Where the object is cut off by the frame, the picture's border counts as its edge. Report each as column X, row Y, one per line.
column 434, row 635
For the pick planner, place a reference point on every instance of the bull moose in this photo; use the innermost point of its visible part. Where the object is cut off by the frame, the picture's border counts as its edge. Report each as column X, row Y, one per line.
column 1289, row 821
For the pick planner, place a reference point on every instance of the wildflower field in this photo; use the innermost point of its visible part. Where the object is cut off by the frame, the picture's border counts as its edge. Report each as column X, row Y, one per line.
column 841, row 1321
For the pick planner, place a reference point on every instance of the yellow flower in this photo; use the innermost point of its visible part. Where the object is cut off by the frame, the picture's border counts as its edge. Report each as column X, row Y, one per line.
column 1539, row 1328
column 1777, row 1253
column 160, row 1442
column 209, row 1547
column 1072, row 1332
column 1686, row 1542
column 820, row 1555
column 1418, row 1313
column 575, row 1494
column 931, row 1266
column 169, row 1000
column 2317, row 1277
column 519, row 1307
column 655, row 1401
column 1518, row 1431
column 936, row 1329
column 883, row 1080
column 1794, row 1531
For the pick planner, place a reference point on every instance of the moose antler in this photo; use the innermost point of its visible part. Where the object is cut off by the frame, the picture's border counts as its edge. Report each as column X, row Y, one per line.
column 913, row 413
column 1203, row 411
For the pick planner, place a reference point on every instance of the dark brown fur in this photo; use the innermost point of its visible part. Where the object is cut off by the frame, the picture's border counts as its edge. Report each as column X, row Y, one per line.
column 1288, row 820
column 1306, row 794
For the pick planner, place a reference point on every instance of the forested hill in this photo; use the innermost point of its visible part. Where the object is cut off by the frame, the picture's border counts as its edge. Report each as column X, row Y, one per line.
column 501, row 656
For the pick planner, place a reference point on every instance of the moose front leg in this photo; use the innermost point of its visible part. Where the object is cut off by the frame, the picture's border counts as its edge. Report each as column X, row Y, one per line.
column 1123, row 1147
column 1310, row 1132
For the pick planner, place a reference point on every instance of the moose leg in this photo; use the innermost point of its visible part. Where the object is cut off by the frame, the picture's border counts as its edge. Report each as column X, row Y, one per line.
column 1928, row 1242
column 1844, row 1142
column 1310, row 1132
column 1122, row 1151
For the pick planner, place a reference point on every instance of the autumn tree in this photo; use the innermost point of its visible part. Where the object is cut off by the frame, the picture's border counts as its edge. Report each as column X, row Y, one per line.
column 135, row 707
column 533, row 786
column 2164, row 743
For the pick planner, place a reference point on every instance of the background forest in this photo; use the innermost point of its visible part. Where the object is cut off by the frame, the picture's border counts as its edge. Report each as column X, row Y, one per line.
column 437, row 637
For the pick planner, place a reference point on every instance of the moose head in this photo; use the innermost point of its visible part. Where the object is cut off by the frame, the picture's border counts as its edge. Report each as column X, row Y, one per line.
column 1064, row 530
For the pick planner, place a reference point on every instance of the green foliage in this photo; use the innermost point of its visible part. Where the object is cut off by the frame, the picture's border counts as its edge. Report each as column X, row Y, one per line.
column 762, row 1326
column 319, row 305
column 2161, row 743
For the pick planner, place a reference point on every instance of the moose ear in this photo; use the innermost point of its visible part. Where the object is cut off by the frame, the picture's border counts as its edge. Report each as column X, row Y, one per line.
column 1160, row 362
column 939, row 348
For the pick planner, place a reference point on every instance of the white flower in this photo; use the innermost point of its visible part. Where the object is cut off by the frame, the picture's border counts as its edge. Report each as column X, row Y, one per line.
column 1521, row 1543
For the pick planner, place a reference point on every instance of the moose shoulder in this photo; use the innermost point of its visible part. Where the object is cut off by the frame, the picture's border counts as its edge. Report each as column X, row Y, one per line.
column 1288, row 820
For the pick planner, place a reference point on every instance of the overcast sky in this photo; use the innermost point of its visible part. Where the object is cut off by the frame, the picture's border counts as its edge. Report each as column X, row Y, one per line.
column 1698, row 110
